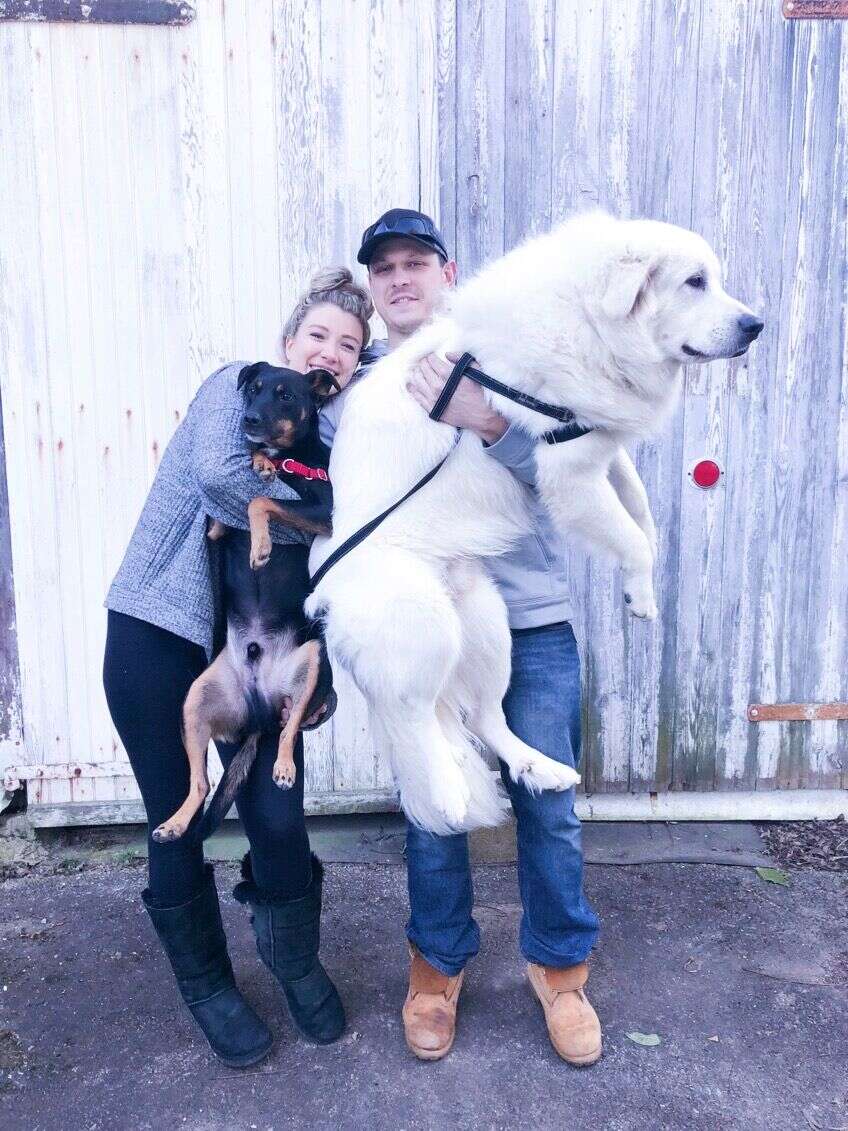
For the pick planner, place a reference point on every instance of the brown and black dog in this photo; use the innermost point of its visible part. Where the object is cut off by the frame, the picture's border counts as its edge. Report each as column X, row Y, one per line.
column 274, row 657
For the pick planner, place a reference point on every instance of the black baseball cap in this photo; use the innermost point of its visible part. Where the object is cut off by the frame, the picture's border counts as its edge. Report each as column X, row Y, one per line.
column 402, row 223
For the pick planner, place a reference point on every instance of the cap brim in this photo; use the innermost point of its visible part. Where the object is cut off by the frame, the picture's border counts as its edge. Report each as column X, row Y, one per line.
column 366, row 252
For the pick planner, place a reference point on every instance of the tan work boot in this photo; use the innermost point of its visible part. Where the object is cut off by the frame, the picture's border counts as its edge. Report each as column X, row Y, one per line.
column 429, row 1012
column 573, row 1025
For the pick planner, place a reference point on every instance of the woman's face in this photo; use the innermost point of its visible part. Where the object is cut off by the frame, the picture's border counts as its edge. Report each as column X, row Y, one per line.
column 327, row 338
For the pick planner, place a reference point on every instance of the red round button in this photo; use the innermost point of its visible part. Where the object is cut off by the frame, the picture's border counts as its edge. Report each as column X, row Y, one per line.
column 705, row 473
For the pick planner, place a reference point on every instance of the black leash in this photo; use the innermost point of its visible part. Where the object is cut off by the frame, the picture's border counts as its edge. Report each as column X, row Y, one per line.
column 363, row 532
column 569, row 430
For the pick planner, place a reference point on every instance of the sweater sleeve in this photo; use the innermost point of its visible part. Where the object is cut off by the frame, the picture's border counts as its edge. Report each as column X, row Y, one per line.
column 516, row 450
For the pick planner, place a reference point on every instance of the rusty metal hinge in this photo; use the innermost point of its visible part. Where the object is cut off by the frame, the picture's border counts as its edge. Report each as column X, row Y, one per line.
column 796, row 712
column 172, row 13
column 815, row 9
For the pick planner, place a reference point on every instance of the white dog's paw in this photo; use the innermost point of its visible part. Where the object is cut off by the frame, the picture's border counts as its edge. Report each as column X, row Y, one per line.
column 639, row 597
column 452, row 795
column 541, row 772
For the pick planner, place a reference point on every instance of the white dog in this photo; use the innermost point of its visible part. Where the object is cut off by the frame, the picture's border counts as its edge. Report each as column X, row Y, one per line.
column 598, row 316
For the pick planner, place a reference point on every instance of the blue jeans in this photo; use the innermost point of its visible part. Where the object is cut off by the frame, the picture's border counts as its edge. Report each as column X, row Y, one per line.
column 558, row 927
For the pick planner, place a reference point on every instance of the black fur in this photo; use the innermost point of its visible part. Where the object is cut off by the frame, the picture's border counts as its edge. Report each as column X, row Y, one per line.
column 281, row 405
column 276, row 400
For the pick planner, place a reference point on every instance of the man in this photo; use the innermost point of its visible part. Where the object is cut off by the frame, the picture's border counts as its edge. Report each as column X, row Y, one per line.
column 409, row 272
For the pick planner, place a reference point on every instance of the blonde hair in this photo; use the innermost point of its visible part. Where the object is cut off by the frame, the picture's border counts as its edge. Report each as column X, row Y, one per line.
column 336, row 286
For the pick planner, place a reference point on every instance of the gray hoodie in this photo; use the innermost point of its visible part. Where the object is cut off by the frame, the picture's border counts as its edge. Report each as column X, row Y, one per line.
column 532, row 578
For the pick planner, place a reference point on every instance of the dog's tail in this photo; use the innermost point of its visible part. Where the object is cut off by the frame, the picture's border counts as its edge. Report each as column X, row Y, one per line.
column 234, row 777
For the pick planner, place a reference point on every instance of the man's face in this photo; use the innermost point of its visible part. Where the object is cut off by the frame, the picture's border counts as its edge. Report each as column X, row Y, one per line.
column 408, row 283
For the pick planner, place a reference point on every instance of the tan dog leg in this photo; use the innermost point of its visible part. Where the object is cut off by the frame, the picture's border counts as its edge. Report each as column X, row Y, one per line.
column 259, row 514
column 263, row 467
column 211, row 706
column 305, row 682
column 259, row 517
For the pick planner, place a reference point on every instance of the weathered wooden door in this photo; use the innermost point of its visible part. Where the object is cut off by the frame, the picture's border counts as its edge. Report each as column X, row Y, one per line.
column 167, row 190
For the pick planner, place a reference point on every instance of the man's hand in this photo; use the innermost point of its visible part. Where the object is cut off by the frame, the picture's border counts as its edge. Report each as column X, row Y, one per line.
column 468, row 407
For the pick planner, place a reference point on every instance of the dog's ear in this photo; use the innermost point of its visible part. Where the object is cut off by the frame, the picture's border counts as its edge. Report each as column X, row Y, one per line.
column 249, row 372
column 630, row 278
column 322, row 384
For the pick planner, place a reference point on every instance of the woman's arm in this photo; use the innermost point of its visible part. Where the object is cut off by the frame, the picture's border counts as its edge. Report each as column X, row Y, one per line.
column 221, row 462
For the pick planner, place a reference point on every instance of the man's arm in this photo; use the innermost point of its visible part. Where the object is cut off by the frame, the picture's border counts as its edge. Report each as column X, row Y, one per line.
column 505, row 442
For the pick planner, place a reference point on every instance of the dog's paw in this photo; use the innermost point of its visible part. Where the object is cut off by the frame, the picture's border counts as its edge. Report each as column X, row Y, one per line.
column 453, row 795
column 263, row 467
column 284, row 774
column 541, row 772
column 642, row 610
column 260, row 551
column 170, row 830
column 639, row 597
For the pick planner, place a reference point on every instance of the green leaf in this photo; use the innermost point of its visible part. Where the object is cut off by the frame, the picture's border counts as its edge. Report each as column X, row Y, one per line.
column 646, row 1039
column 774, row 876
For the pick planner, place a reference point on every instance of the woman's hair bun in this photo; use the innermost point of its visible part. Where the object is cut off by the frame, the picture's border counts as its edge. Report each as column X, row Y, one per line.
column 329, row 279
column 337, row 286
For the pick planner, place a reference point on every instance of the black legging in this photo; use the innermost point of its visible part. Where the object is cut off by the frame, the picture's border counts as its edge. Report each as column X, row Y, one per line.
column 147, row 673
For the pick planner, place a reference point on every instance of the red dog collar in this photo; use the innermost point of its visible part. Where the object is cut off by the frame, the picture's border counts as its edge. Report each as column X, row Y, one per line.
column 292, row 467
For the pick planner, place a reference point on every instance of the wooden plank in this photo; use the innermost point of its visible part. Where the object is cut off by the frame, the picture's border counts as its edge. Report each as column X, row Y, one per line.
column 251, row 157
column 576, row 152
column 480, row 136
column 300, row 143
column 815, row 9
column 627, row 49
column 747, row 591
column 822, row 355
column 447, row 84
column 575, row 177
column 174, row 13
column 201, row 102
column 671, row 65
column 52, row 607
column 10, row 675
column 132, row 812
column 19, row 306
column 796, row 712
column 771, row 805
column 393, row 107
column 806, row 407
column 528, row 106
column 717, row 131
column 603, row 162
column 347, row 203
column 428, row 61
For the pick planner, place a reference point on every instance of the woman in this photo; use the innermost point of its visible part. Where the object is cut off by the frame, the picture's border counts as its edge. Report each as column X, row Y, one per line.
column 159, row 639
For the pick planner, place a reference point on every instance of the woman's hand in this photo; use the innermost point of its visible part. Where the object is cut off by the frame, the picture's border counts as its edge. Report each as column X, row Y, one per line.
column 468, row 407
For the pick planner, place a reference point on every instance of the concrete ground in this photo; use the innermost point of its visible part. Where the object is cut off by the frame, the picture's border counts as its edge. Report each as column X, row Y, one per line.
column 745, row 983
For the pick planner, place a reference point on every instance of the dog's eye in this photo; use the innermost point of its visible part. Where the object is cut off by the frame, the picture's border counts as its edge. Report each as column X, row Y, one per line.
column 256, row 387
column 696, row 281
column 284, row 394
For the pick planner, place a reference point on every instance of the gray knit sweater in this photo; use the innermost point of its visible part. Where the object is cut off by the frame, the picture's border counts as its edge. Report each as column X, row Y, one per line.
column 165, row 575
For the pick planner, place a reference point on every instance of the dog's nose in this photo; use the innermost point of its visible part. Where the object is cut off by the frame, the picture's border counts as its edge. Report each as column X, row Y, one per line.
column 251, row 420
column 750, row 325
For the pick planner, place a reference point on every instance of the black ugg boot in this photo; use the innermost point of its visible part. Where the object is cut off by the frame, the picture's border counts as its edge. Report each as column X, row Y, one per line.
column 194, row 941
column 287, row 936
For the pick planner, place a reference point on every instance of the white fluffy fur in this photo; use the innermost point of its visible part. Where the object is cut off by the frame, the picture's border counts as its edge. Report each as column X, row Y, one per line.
column 593, row 316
